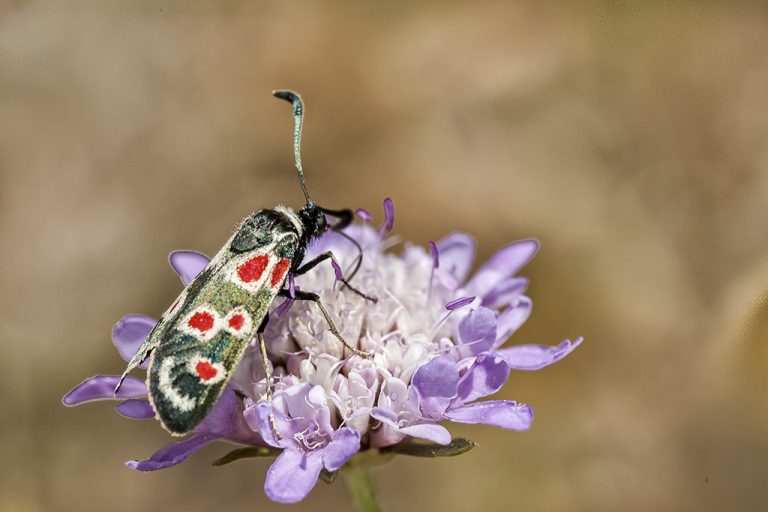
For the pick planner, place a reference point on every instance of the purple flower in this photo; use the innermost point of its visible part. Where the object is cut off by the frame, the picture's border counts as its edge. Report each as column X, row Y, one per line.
column 307, row 438
column 436, row 334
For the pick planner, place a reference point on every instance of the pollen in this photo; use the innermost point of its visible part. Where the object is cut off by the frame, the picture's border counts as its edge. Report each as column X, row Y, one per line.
column 252, row 269
column 202, row 321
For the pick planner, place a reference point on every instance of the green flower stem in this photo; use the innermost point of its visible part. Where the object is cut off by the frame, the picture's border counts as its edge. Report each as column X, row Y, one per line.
column 360, row 485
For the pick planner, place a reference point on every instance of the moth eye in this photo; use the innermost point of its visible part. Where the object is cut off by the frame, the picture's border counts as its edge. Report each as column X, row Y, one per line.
column 252, row 269
column 202, row 321
column 236, row 322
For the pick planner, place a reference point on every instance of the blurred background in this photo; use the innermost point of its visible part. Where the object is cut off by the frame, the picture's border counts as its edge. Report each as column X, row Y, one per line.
column 630, row 138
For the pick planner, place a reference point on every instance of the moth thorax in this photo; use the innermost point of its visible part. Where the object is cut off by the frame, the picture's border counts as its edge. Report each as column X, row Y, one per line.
column 291, row 216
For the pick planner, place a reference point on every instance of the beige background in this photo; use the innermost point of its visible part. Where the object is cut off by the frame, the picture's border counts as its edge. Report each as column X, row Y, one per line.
column 631, row 140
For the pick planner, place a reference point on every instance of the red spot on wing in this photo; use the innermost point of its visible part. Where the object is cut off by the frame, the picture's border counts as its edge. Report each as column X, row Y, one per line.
column 237, row 321
column 278, row 274
column 206, row 371
column 252, row 269
column 202, row 321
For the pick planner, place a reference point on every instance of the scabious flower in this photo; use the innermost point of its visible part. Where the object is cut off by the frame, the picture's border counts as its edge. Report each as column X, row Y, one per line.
column 434, row 333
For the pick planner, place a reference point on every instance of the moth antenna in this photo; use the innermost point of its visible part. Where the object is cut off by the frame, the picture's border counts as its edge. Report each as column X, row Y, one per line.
column 298, row 115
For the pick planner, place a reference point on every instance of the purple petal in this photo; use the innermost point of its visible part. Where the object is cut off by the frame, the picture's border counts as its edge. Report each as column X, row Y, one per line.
column 485, row 377
column 257, row 418
column 512, row 318
column 135, row 410
column 188, row 264
column 435, row 254
column 505, row 263
column 102, row 387
column 364, row 214
column 499, row 413
column 386, row 416
column 346, row 443
column 130, row 332
column 459, row 303
column 435, row 383
column 535, row 357
column 172, row 454
column 389, row 216
column 293, row 474
column 505, row 292
column 457, row 252
column 226, row 420
column 430, row 431
column 477, row 332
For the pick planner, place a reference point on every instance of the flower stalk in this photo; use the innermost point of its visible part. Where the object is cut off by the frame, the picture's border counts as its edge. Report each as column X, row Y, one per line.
column 358, row 479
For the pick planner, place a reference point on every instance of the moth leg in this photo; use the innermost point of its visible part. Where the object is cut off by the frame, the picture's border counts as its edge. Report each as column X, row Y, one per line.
column 328, row 255
column 267, row 373
column 302, row 295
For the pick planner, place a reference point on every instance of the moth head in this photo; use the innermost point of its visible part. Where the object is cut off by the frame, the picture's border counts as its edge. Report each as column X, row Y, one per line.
column 313, row 220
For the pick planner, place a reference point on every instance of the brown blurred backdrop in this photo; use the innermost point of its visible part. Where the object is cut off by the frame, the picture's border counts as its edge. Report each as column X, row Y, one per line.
column 631, row 139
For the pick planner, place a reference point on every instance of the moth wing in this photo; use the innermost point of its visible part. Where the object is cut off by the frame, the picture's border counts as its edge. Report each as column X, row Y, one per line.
column 155, row 336
column 186, row 379
column 191, row 367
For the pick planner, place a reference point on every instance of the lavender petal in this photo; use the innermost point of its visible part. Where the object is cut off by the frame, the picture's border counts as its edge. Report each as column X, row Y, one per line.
column 535, row 357
column 226, row 420
column 386, row 416
column 293, row 474
column 188, row 264
column 512, row 318
column 345, row 443
column 172, row 454
column 457, row 252
column 486, row 376
column 102, row 387
column 430, row 431
column 499, row 413
column 435, row 383
column 135, row 410
column 477, row 332
column 505, row 292
column 257, row 417
column 505, row 263
column 130, row 332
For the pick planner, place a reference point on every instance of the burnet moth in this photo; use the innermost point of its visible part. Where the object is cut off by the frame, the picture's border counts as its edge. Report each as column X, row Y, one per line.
column 202, row 336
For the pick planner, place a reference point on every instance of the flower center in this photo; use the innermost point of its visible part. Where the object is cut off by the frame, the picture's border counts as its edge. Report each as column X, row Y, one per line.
column 311, row 437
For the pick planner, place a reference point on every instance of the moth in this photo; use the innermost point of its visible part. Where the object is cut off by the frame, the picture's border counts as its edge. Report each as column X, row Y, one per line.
column 202, row 336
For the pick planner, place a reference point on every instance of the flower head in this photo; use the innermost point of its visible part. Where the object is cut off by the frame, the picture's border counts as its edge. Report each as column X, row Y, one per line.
column 435, row 336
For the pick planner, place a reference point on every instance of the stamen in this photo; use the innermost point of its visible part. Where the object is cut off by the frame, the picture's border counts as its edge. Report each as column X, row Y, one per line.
column 459, row 303
column 389, row 217
column 451, row 307
column 364, row 214
column 285, row 307
column 337, row 270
